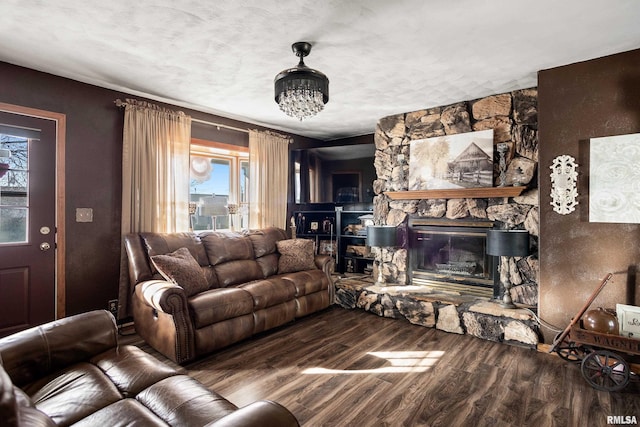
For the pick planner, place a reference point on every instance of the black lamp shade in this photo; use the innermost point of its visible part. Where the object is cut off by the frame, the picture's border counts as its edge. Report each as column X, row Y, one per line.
column 381, row 235
column 508, row 242
column 301, row 77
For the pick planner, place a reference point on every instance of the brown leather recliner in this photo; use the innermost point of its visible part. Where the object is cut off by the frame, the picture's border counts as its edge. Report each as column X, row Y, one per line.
column 246, row 290
column 72, row 372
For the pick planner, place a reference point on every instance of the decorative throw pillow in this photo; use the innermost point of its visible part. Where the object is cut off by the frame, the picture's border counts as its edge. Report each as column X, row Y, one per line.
column 181, row 268
column 295, row 255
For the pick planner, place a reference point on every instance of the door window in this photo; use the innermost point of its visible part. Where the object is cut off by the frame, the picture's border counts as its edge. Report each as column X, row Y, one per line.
column 14, row 185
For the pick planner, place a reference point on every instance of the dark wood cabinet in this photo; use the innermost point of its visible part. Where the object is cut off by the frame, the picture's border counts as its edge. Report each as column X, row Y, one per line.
column 353, row 253
column 319, row 226
column 339, row 233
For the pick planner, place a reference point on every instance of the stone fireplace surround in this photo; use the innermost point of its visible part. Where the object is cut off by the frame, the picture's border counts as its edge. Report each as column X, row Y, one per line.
column 513, row 117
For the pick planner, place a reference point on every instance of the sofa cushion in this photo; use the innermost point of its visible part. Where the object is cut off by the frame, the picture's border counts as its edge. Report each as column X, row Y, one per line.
column 163, row 243
column 232, row 257
column 307, row 282
column 264, row 247
column 123, row 412
column 270, row 292
column 132, row 369
column 269, row 264
column 264, row 241
column 73, row 393
column 182, row 269
column 227, row 246
column 182, row 400
column 295, row 255
column 236, row 272
column 217, row 305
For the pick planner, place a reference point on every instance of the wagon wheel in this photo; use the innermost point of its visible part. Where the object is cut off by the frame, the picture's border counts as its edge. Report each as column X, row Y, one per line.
column 605, row 370
column 569, row 350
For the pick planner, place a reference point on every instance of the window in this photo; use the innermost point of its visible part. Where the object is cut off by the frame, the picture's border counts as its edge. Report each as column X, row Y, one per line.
column 218, row 186
column 14, row 200
column 297, row 183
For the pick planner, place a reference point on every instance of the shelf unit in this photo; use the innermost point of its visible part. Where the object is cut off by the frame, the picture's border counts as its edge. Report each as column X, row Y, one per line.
column 319, row 226
column 457, row 193
column 349, row 262
column 333, row 238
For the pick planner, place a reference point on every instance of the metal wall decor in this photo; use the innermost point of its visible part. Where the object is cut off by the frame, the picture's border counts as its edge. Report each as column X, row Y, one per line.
column 564, row 175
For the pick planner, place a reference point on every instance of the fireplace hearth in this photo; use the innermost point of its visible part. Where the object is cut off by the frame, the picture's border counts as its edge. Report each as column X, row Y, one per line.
column 451, row 255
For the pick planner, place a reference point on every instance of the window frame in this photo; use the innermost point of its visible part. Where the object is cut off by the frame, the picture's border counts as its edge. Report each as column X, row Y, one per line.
column 235, row 155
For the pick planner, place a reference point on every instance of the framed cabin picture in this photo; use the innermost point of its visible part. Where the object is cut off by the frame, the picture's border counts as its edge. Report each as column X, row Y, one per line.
column 452, row 161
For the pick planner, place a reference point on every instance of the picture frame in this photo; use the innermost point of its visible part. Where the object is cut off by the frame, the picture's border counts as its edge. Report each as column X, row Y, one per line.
column 328, row 247
column 462, row 160
column 628, row 320
column 346, row 187
column 313, row 226
column 613, row 177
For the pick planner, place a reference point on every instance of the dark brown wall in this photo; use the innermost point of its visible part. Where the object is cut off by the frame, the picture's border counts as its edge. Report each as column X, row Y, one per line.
column 93, row 157
column 577, row 102
column 93, row 173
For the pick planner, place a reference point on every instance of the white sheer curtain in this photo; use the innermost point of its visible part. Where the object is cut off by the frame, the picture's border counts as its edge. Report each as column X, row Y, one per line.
column 155, row 169
column 268, row 179
column 155, row 177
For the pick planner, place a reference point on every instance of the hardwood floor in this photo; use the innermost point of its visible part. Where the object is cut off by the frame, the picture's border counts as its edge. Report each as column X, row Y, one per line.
column 352, row 368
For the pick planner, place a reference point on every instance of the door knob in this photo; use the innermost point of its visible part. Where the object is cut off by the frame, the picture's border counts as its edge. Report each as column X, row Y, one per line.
column 44, row 246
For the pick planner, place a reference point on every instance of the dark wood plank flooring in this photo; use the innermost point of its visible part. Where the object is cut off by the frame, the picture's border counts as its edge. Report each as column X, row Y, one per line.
column 351, row 368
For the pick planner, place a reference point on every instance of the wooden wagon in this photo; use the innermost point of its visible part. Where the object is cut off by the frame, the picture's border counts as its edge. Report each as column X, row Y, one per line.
column 600, row 355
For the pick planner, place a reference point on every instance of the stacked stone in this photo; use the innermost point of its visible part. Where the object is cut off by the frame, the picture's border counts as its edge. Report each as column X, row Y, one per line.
column 471, row 316
column 513, row 117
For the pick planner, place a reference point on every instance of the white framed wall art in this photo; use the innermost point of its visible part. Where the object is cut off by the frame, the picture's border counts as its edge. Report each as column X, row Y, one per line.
column 614, row 179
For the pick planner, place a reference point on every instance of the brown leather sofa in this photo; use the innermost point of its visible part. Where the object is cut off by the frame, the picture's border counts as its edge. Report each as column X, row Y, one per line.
column 249, row 288
column 72, row 372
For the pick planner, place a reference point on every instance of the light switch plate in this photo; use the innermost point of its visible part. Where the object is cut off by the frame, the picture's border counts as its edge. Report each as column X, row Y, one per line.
column 84, row 215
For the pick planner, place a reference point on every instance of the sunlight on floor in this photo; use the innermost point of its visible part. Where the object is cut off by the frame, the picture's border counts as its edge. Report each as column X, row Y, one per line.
column 400, row 362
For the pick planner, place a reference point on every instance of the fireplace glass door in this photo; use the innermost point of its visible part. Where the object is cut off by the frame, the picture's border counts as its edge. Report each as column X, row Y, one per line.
column 451, row 254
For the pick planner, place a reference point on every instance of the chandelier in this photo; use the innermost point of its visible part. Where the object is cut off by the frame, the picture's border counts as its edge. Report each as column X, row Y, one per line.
column 301, row 92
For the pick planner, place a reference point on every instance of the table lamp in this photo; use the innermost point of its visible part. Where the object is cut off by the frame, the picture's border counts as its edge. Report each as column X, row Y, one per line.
column 513, row 243
column 213, row 206
column 381, row 236
column 233, row 209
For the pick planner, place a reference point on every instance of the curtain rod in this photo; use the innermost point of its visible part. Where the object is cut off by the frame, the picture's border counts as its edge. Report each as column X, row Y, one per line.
column 219, row 125
column 121, row 103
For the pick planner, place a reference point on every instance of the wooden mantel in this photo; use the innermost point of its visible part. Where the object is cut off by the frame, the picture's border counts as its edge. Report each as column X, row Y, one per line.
column 457, row 193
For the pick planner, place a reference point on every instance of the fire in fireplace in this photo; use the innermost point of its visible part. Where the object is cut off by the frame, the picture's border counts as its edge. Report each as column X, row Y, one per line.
column 451, row 255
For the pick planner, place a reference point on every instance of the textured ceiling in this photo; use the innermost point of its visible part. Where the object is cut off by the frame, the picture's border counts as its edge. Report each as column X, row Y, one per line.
column 382, row 57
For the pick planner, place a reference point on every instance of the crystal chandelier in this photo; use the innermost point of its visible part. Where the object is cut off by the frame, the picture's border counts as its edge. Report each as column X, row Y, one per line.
column 301, row 92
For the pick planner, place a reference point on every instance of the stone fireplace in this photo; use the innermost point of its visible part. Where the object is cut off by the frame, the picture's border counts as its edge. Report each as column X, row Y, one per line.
column 458, row 257
column 513, row 118
column 451, row 255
